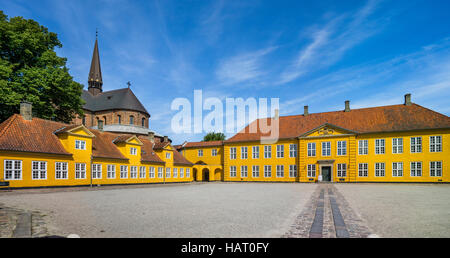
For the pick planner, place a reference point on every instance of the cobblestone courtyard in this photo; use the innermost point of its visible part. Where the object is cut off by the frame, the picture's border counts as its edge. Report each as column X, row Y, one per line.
column 229, row 210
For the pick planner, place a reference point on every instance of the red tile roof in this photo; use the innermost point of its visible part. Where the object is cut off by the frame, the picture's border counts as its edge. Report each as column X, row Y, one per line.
column 148, row 154
column 178, row 159
column 104, row 147
column 202, row 144
column 395, row 118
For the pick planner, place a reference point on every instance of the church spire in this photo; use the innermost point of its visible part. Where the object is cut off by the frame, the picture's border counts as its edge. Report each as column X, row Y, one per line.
column 95, row 81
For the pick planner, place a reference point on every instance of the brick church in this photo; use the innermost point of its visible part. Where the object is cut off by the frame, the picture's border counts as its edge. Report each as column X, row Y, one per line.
column 118, row 111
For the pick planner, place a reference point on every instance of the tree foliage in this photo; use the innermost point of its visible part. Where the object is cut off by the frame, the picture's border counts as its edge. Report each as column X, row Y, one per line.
column 212, row 136
column 30, row 70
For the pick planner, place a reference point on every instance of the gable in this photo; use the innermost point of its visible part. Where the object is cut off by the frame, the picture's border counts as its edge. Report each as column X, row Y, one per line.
column 328, row 130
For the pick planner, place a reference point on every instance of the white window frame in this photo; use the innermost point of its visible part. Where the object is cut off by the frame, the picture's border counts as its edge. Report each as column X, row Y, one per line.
column 415, row 145
column 214, row 152
column 255, row 171
column 133, row 172
column 280, row 151
column 123, row 171
column 311, row 149
column 416, row 171
column 397, row 145
column 341, row 148
column 267, row 171
column 175, row 172
column 79, row 172
column 326, row 149
column 96, row 171
column 380, row 146
column 363, row 147
column 244, row 152
column 436, row 143
column 160, row 172
column 293, row 150
column 292, row 171
column 111, row 171
column 168, row 155
column 380, row 169
column 363, row 169
column 233, row 153
column 341, row 170
column 244, row 171
column 181, row 172
column 397, row 169
column 233, row 171
column 435, row 171
column 200, row 153
column 267, row 151
column 255, row 152
column 168, row 172
column 133, row 151
column 61, row 168
column 311, row 172
column 80, row 145
column 142, row 172
column 40, row 171
column 14, row 170
column 280, row 171
column 151, row 172
column 188, row 172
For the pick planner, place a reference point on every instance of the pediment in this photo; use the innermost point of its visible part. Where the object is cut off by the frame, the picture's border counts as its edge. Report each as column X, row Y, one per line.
column 328, row 130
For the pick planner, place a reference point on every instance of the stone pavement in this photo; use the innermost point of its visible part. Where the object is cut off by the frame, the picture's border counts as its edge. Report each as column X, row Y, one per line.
column 328, row 215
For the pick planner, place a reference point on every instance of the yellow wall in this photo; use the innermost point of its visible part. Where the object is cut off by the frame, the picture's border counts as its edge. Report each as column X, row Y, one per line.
column 210, row 164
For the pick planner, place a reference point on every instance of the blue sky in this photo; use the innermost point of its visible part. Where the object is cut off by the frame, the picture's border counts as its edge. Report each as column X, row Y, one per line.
column 316, row 53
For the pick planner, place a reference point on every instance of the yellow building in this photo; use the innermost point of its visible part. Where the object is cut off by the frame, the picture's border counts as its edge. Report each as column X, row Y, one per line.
column 398, row 143
column 41, row 153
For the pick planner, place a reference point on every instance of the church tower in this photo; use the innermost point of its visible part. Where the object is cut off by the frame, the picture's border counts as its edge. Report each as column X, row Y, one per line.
column 95, row 81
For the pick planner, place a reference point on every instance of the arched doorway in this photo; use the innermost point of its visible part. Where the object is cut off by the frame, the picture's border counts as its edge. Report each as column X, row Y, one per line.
column 218, row 174
column 205, row 175
column 194, row 174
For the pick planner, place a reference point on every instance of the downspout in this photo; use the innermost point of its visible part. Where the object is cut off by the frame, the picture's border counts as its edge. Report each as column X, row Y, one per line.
column 91, row 170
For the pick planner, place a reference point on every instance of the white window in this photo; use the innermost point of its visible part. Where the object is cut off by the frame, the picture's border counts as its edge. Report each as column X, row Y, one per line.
column 13, row 170
column 181, row 172
column 342, row 148
column 435, row 143
column 436, row 168
column 416, row 144
column 123, row 171
column 200, row 153
column 244, row 152
column 133, row 151
column 133, row 172
column 342, row 170
column 311, row 149
column 168, row 155
column 175, row 172
column 80, row 145
column 397, row 145
column 233, row 172
column 255, row 171
column 142, row 172
column 267, row 152
column 397, row 169
column 363, row 147
column 188, row 172
column 96, row 171
column 214, row 152
column 311, row 170
column 233, row 154
column 363, row 170
column 244, row 171
column 379, row 169
column 39, row 170
column 167, row 172
column 267, row 171
column 326, row 149
column 255, row 152
column 280, row 171
column 293, row 150
column 151, row 172
column 292, row 170
column 61, row 170
column 80, row 170
column 111, row 171
column 379, row 146
column 160, row 172
column 416, row 169
column 280, row 151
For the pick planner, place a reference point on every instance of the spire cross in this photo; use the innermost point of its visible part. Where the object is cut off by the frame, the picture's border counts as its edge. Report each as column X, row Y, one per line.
column 96, row 33
column 129, row 84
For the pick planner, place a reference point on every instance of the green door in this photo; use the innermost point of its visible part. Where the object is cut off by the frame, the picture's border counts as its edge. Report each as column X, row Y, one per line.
column 326, row 174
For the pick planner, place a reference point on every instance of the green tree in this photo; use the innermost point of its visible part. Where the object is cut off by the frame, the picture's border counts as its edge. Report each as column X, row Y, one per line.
column 31, row 71
column 212, row 136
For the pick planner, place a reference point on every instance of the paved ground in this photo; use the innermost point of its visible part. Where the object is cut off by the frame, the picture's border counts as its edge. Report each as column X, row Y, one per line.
column 230, row 210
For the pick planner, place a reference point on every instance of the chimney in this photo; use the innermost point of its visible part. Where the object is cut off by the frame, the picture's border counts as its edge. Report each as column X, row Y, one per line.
column 305, row 112
column 26, row 110
column 347, row 106
column 151, row 137
column 100, row 125
column 166, row 138
column 408, row 99
column 277, row 114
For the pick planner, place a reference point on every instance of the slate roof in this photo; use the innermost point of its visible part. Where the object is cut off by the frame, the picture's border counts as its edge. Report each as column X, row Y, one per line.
column 394, row 118
column 110, row 100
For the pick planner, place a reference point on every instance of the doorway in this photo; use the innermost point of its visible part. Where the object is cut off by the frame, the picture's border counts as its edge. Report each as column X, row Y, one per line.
column 205, row 175
column 326, row 174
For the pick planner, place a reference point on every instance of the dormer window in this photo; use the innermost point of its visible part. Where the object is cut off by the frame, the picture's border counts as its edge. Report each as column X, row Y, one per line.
column 80, row 145
column 133, row 151
column 168, row 155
